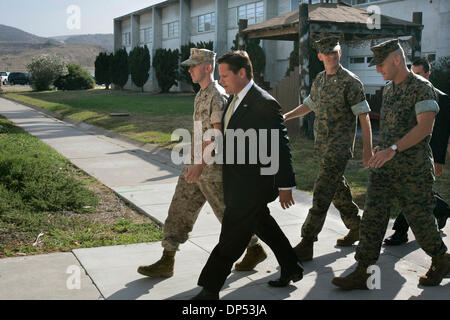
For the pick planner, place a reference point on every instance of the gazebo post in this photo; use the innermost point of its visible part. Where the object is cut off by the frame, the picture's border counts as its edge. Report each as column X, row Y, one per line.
column 304, row 49
column 416, row 51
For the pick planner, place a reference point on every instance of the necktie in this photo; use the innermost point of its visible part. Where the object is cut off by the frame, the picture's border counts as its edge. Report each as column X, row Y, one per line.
column 229, row 113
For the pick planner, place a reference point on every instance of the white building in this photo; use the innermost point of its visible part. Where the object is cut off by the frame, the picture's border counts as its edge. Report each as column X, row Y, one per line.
column 435, row 34
column 173, row 23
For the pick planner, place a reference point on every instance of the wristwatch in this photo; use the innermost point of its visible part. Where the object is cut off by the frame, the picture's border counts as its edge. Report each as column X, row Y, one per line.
column 395, row 148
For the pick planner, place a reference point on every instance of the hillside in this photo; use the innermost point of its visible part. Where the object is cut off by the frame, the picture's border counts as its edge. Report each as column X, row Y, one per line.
column 15, row 57
column 11, row 34
column 106, row 41
column 17, row 48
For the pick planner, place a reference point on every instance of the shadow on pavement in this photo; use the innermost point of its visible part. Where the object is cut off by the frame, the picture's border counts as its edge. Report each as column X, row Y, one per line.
column 135, row 289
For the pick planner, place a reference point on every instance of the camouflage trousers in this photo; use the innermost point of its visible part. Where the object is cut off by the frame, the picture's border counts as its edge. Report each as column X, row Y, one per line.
column 414, row 194
column 186, row 204
column 330, row 186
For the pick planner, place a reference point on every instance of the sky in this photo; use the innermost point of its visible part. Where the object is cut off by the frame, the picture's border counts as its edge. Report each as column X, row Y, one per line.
column 47, row 18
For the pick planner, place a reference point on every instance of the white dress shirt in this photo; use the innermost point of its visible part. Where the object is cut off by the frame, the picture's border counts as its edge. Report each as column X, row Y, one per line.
column 241, row 95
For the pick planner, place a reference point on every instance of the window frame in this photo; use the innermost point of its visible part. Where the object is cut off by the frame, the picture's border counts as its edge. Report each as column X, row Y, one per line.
column 256, row 10
column 201, row 22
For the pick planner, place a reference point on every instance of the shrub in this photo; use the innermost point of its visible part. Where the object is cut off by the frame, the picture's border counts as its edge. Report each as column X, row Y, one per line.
column 44, row 70
column 166, row 64
column 185, row 53
column 440, row 74
column 40, row 186
column 139, row 61
column 255, row 52
column 315, row 66
column 76, row 79
column 103, row 69
column 120, row 69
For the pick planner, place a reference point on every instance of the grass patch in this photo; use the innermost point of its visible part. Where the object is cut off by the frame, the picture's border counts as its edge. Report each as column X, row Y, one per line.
column 152, row 118
column 47, row 205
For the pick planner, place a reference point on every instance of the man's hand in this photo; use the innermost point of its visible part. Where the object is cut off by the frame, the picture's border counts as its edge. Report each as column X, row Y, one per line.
column 286, row 199
column 380, row 157
column 438, row 169
column 194, row 173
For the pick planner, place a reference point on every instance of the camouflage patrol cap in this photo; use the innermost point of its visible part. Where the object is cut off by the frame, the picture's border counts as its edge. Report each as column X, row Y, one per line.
column 328, row 45
column 199, row 56
column 382, row 50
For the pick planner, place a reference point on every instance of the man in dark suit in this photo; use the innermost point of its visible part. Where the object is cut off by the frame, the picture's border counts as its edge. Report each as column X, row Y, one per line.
column 249, row 181
column 438, row 144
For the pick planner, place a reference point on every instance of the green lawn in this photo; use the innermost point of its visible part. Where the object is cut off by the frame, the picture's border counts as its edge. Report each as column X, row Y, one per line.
column 41, row 193
column 154, row 117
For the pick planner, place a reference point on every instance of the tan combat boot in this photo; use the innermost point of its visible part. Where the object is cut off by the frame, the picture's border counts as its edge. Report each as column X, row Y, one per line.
column 304, row 250
column 255, row 254
column 349, row 239
column 162, row 268
column 440, row 267
column 355, row 280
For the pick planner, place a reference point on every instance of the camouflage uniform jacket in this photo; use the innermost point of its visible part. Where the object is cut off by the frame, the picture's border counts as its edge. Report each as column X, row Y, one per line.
column 208, row 109
column 400, row 107
column 336, row 101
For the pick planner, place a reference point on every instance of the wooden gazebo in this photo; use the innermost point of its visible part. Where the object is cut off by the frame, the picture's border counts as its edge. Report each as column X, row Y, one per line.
column 352, row 25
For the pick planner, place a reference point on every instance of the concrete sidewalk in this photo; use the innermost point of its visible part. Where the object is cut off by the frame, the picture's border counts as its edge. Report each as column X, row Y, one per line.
column 145, row 176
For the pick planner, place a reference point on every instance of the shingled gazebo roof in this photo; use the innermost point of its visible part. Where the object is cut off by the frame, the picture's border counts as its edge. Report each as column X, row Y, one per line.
column 338, row 18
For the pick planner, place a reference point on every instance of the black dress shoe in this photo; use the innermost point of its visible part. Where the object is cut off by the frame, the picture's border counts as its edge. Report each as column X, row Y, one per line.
column 206, row 295
column 396, row 239
column 285, row 280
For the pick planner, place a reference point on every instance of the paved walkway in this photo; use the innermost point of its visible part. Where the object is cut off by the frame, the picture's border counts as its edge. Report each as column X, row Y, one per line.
column 145, row 176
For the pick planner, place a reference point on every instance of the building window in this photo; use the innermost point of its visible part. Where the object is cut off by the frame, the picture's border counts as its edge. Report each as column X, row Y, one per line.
column 145, row 36
column 253, row 12
column 126, row 39
column 207, row 22
column 355, row 2
column 431, row 57
column 295, row 4
column 356, row 60
column 171, row 30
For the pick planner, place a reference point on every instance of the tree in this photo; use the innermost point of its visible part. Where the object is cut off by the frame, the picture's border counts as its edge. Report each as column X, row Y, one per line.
column 120, row 68
column 44, row 70
column 139, row 61
column 103, row 69
column 76, row 79
column 166, row 64
column 185, row 53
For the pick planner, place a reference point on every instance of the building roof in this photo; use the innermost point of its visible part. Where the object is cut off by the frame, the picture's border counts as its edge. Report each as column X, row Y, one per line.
column 144, row 10
column 329, row 18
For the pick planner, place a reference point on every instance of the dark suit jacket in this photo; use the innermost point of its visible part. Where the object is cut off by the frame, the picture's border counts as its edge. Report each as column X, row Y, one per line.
column 441, row 130
column 243, row 184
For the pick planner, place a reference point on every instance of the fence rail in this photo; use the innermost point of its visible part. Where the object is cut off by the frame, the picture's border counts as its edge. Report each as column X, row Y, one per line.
column 287, row 94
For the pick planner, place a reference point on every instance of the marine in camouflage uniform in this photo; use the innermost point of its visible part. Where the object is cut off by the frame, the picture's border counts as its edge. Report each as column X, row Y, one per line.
column 337, row 100
column 189, row 198
column 408, row 176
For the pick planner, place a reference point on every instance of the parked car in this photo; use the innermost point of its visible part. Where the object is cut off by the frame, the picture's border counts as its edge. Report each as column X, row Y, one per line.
column 4, row 77
column 18, row 78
